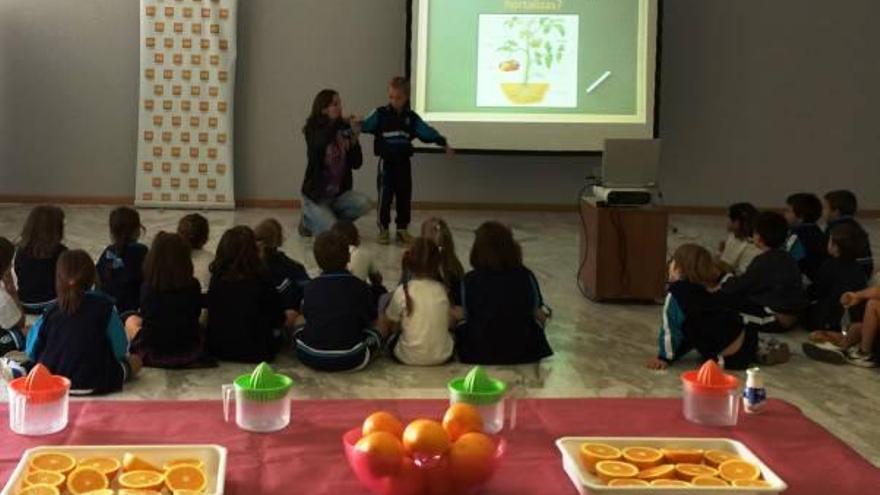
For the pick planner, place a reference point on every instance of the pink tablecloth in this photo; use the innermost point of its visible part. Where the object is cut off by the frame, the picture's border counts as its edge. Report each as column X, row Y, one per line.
column 307, row 457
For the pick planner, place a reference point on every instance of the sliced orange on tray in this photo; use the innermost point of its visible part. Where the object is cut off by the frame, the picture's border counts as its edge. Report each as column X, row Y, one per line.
column 751, row 484
column 592, row 453
column 52, row 478
column 52, row 461
column 683, row 456
column 715, row 457
column 84, row 480
column 131, row 462
column 662, row 472
column 39, row 490
column 628, row 482
column 687, row 472
column 642, row 457
column 670, row 483
column 107, row 465
column 142, row 480
column 708, row 481
column 184, row 462
column 186, row 478
column 738, row 470
column 609, row 470
column 127, row 491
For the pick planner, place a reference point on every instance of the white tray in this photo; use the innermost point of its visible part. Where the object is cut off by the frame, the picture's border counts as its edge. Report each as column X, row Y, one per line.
column 587, row 483
column 213, row 457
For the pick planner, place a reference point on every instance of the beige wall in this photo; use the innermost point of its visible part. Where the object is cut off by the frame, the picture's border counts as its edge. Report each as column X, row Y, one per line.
column 758, row 99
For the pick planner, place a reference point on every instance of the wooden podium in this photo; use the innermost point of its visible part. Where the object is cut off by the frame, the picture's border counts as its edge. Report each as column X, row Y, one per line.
column 622, row 252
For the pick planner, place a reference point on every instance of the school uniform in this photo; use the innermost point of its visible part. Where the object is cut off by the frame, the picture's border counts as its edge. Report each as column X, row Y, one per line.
column 424, row 338
column 836, row 277
column 394, row 133
column 201, row 260
column 694, row 319
column 244, row 320
column 289, row 278
column 11, row 338
column 338, row 334
column 121, row 274
column 170, row 336
column 739, row 253
column 361, row 266
column 808, row 245
column 499, row 325
column 89, row 347
column 772, row 285
column 36, row 279
column 865, row 258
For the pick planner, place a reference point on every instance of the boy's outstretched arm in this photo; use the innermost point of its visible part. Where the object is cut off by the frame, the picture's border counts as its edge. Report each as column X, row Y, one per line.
column 428, row 134
column 370, row 124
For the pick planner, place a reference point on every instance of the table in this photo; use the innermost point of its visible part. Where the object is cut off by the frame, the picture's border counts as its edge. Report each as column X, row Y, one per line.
column 307, row 457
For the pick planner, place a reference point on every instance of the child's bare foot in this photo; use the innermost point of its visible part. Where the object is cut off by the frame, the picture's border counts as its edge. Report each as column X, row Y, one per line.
column 656, row 364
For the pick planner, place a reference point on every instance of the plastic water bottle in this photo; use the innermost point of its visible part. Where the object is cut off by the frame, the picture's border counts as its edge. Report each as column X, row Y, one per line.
column 754, row 395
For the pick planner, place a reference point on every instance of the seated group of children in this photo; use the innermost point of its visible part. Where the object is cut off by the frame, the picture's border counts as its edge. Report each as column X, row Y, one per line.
column 772, row 273
column 176, row 305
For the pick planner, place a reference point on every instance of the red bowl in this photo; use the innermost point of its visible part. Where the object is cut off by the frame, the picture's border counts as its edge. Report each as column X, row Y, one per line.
column 415, row 478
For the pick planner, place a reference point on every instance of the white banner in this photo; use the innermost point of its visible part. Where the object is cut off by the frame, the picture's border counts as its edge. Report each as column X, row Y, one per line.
column 186, row 90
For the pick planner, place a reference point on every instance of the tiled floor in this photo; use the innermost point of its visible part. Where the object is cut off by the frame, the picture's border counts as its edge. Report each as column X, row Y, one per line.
column 600, row 349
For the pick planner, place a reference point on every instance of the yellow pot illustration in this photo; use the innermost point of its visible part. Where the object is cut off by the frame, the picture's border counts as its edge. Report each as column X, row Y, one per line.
column 525, row 93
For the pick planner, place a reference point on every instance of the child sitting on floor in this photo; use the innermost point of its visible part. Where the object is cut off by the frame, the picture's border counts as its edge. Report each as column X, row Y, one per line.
column 81, row 336
column 36, row 257
column 245, row 312
column 502, row 313
column 339, row 333
column 738, row 250
column 418, row 311
column 860, row 346
column 770, row 294
column 166, row 332
column 806, row 242
column 694, row 318
column 451, row 270
column 841, row 207
column 839, row 274
column 194, row 229
column 12, row 327
column 361, row 263
column 288, row 276
column 121, row 265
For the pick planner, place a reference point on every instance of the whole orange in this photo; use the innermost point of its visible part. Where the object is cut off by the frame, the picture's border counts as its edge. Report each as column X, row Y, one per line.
column 382, row 421
column 471, row 459
column 383, row 451
column 425, row 438
column 462, row 418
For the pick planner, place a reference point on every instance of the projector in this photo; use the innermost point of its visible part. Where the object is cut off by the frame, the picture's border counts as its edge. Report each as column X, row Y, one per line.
column 622, row 196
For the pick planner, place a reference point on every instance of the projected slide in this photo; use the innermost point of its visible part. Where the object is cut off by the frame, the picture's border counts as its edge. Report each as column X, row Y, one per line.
column 543, row 62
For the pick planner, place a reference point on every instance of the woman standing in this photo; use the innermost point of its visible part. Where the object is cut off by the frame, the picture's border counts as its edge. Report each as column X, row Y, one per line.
column 333, row 152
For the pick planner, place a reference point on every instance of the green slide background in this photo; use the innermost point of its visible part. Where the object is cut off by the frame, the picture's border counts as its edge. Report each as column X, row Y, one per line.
column 608, row 40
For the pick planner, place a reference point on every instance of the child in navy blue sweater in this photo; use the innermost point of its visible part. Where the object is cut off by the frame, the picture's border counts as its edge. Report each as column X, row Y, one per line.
column 121, row 265
column 806, row 243
column 395, row 126
column 841, row 207
column 841, row 273
column 36, row 256
column 696, row 319
column 288, row 276
column 81, row 336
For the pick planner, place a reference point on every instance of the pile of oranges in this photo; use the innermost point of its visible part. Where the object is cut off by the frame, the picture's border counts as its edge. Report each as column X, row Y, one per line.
column 648, row 466
column 53, row 473
column 390, row 448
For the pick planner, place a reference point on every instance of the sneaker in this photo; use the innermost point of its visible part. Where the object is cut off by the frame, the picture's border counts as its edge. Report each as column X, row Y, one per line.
column 855, row 356
column 303, row 230
column 825, row 352
column 10, row 370
column 384, row 236
column 403, row 237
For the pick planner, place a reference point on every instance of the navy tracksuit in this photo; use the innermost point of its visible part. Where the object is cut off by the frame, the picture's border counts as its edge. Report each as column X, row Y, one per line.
column 394, row 133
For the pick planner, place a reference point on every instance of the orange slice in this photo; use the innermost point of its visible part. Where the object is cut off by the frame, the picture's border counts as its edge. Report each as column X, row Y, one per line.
column 103, row 491
column 628, row 482
column 687, row 472
column 683, row 456
column 126, row 491
column 131, row 462
column 39, row 490
column 609, row 470
column 186, row 478
column 185, row 492
column 708, row 481
column 107, row 465
column 52, row 461
column 662, row 472
column 183, row 462
column 592, row 453
column 715, row 457
column 668, row 483
column 737, row 469
column 141, row 480
column 642, row 457
column 85, row 480
column 751, row 484
column 52, row 478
